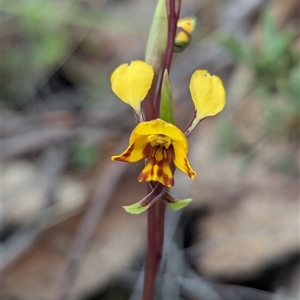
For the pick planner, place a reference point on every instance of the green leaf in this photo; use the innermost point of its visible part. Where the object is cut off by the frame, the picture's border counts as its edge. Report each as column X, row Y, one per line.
column 158, row 37
column 166, row 105
column 136, row 208
column 178, row 204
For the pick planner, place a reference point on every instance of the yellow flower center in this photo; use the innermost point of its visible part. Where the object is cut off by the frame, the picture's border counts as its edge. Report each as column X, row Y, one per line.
column 160, row 140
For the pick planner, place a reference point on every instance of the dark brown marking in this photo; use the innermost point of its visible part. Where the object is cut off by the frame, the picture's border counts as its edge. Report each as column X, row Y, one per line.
column 143, row 176
column 148, row 150
column 160, row 172
column 179, row 28
column 152, row 171
column 128, row 152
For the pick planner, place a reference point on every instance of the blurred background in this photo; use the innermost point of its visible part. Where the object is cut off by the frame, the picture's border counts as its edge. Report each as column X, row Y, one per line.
column 64, row 233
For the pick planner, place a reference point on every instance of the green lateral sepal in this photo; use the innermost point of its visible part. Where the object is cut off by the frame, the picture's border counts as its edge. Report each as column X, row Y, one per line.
column 178, row 204
column 136, row 208
column 175, row 204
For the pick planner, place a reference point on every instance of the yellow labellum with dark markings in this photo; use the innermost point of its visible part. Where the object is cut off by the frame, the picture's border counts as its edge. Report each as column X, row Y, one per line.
column 162, row 144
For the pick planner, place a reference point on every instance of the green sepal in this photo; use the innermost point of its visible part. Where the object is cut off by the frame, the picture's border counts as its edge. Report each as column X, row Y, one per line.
column 178, row 204
column 166, row 111
column 136, row 208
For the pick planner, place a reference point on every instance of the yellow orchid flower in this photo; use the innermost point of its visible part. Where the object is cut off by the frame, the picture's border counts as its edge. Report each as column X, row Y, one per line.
column 132, row 82
column 162, row 144
column 185, row 28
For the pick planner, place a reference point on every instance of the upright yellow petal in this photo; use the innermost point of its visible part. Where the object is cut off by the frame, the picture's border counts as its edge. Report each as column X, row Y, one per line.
column 131, row 83
column 208, row 94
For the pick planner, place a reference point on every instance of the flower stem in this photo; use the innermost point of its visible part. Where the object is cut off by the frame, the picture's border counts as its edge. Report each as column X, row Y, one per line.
column 156, row 212
column 156, row 216
column 173, row 9
column 173, row 16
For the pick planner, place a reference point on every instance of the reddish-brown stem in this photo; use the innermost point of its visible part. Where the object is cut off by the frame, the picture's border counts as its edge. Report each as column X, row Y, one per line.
column 153, row 256
column 149, row 102
column 156, row 217
column 173, row 16
column 161, row 209
column 157, row 97
column 156, row 212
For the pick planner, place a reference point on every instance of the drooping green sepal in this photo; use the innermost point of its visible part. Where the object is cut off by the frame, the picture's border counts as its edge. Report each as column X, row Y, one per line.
column 175, row 204
column 136, row 208
column 166, row 104
column 178, row 204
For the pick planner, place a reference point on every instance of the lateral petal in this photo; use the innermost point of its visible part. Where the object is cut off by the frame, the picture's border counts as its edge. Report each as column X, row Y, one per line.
column 132, row 82
column 207, row 93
